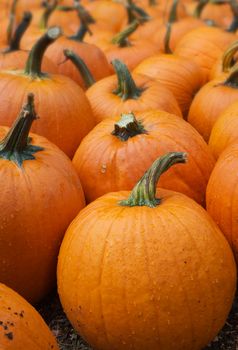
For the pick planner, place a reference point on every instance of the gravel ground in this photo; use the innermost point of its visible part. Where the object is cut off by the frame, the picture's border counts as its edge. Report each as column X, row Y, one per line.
column 54, row 316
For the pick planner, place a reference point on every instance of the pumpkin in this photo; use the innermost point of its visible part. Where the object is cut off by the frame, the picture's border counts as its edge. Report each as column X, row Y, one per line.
column 139, row 271
column 222, row 195
column 40, row 186
column 211, row 100
column 22, row 327
column 225, row 130
column 123, row 92
column 93, row 57
column 220, row 13
column 66, row 113
column 140, row 138
column 164, row 67
column 204, row 46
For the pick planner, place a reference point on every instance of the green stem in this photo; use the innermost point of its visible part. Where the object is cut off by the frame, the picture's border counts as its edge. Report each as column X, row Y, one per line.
column 167, row 37
column 173, row 17
column 121, row 39
column 82, row 31
column 143, row 194
column 19, row 32
column 81, row 66
column 228, row 57
column 85, row 19
column 49, row 9
column 34, row 61
column 128, row 126
column 232, row 79
column 134, row 12
column 11, row 20
column 126, row 88
column 16, row 145
column 199, row 8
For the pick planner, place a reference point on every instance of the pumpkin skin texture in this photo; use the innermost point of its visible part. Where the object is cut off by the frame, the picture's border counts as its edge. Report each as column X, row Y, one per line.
column 222, row 195
column 106, row 102
column 43, row 190
column 225, row 130
column 100, row 159
column 204, row 46
column 129, row 277
column 163, row 68
column 25, row 327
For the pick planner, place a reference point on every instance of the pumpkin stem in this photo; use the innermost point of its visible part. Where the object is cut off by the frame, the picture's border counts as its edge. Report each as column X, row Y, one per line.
column 85, row 19
column 128, row 126
column 12, row 16
column 34, row 61
column 167, row 38
column 228, row 57
column 126, row 88
column 16, row 146
column 49, row 9
column 199, row 8
column 134, row 12
column 19, row 32
column 143, row 194
column 173, row 16
column 121, row 39
column 81, row 66
column 232, row 79
column 234, row 24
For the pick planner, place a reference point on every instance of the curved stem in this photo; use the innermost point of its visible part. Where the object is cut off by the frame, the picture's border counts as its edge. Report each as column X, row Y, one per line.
column 167, row 37
column 143, row 194
column 85, row 19
column 126, row 88
column 121, row 39
column 128, row 126
column 134, row 12
column 199, row 8
column 34, row 61
column 232, row 79
column 81, row 66
column 49, row 9
column 19, row 32
column 82, row 31
column 173, row 12
column 16, row 145
column 11, row 21
column 228, row 57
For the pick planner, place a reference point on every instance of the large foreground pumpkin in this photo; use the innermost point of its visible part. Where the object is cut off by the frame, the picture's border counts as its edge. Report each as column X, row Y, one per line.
column 21, row 326
column 146, row 273
column 40, row 195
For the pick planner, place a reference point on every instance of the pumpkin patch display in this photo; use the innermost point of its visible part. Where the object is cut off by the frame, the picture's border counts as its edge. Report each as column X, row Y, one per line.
column 40, row 197
column 117, row 152
column 21, row 326
column 132, row 266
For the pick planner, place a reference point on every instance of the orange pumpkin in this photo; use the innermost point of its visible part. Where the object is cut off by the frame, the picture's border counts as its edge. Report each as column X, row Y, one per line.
column 225, row 130
column 211, row 100
column 40, row 186
column 66, row 113
column 139, row 271
column 204, row 46
column 222, row 195
column 121, row 93
column 100, row 159
column 165, row 67
column 22, row 327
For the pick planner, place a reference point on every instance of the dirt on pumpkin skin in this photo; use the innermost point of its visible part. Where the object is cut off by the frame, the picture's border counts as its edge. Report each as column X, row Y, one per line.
column 68, row 339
